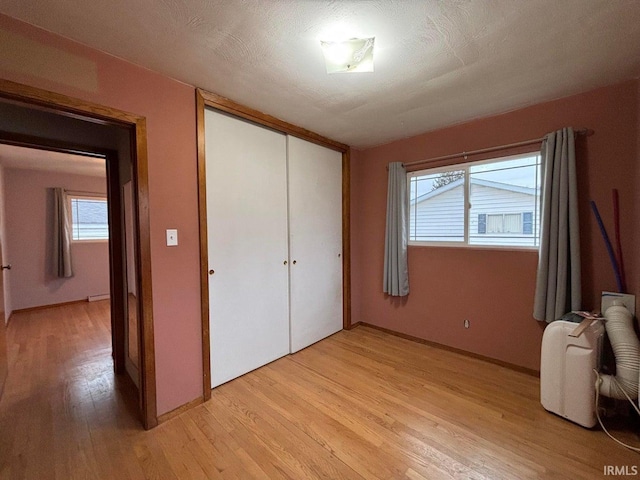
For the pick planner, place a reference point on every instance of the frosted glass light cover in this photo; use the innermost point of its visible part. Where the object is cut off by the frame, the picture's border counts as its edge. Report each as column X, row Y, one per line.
column 353, row 55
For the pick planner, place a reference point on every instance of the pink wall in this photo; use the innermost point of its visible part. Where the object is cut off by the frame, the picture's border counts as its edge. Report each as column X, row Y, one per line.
column 169, row 108
column 493, row 288
column 29, row 210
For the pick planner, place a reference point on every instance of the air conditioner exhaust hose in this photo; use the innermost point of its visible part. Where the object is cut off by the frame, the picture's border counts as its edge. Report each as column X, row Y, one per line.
column 626, row 347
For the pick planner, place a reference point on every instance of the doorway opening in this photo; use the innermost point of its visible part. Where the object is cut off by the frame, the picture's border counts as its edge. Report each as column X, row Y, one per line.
column 43, row 120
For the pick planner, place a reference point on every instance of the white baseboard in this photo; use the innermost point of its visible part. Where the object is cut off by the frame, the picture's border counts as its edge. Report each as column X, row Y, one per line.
column 95, row 298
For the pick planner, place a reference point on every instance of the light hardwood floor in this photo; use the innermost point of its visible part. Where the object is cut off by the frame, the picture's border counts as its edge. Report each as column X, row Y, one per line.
column 361, row 404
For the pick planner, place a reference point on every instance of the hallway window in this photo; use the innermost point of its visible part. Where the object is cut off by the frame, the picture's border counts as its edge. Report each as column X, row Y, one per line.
column 89, row 218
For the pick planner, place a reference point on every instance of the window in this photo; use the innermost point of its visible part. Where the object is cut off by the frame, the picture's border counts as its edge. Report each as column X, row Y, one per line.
column 501, row 223
column 494, row 203
column 89, row 217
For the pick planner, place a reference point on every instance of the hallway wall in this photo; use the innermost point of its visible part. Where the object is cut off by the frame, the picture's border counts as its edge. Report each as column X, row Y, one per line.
column 29, row 225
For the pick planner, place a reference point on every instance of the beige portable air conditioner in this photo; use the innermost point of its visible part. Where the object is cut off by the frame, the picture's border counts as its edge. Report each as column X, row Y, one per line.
column 567, row 379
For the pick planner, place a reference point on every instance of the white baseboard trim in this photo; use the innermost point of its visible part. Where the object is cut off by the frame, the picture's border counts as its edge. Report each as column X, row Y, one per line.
column 95, row 298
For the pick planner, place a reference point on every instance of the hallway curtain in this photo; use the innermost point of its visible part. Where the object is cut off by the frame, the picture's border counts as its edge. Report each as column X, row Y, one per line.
column 62, row 232
column 396, row 271
column 558, row 284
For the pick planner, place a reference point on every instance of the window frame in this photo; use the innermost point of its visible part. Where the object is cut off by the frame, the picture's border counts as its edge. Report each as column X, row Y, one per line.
column 466, row 167
column 71, row 196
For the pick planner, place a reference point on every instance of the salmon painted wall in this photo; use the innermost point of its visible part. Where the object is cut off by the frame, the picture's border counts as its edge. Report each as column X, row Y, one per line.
column 50, row 62
column 494, row 288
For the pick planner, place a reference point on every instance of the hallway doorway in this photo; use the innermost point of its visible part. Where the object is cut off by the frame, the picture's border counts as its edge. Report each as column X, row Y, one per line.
column 33, row 118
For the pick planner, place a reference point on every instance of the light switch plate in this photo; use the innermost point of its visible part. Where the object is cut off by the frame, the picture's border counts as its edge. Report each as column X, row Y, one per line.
column 172, row 237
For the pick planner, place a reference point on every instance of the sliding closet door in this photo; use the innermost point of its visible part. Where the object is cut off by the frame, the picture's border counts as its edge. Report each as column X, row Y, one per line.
column 247, row 245
column 315, row 226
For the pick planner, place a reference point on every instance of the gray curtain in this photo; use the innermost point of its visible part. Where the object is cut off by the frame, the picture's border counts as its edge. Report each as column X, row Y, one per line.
column 396, row 271
column 61, row 234
column 558, row 286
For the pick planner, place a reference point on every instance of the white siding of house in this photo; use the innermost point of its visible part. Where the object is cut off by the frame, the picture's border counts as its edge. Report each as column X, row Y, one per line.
column 89, row 218
column 441, row 217
column 489, row 200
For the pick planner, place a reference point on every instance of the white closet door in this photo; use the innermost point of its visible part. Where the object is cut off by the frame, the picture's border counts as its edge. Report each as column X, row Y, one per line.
column 315, row 236
column 247, row 237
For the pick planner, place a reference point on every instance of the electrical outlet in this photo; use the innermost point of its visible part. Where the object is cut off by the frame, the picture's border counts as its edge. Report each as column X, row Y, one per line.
column 172, row 237
column 467, row 323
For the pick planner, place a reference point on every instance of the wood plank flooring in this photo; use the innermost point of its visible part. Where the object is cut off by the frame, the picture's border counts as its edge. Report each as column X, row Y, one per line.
column 360, row 405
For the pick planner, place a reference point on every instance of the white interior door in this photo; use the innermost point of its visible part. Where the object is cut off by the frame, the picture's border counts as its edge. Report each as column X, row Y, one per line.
column 315, row 236
column 247, row 245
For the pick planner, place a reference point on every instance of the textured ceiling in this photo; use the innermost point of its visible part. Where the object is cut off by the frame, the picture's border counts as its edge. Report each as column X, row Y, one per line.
column 35, row 159
column 437, row 62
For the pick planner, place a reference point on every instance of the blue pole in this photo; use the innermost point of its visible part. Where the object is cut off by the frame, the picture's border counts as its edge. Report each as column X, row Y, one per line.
column 607, row 244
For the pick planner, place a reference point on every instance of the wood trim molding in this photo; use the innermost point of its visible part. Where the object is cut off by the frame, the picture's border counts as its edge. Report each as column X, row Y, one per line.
column 208, row 99
column 181, row 409
column 146, row 329
column 65, row 105
column 204, row 248
column 224, row 104
column 117, row 285
column 34, row 142
column 92, row 112
column 346, row 239
column 510, row 366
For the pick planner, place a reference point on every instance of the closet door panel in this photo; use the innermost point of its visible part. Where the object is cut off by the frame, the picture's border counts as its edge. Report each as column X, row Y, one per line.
column 315, row 236
column 247, row 245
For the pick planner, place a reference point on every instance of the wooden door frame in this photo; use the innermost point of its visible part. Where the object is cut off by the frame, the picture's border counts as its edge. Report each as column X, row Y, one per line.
column 207, row 99
column 103, row 115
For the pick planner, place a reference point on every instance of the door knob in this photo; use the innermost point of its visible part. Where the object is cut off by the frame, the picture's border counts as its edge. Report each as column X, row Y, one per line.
column 211, row 272
column 6, row 267
column 285, row 262
column 295, row 261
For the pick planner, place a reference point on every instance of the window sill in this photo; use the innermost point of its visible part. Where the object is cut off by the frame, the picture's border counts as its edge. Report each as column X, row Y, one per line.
column 510, row 248
column 82, row 242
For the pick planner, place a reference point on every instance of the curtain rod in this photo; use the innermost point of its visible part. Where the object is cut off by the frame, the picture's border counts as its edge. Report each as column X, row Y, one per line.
column 584, row 131
column 87, row 194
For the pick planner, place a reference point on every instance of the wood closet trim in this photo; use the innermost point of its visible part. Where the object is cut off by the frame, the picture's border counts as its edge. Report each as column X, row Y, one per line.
column 346, row 240
column 100, row 114
column 204, row 248
column 208, row 99
column 224, row 104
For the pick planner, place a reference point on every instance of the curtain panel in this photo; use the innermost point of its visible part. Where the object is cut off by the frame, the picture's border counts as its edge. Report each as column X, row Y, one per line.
column 62, row 233
column 558, row 283
column 396, row 271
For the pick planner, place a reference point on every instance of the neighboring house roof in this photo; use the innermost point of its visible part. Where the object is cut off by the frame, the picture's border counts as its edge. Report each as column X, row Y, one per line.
column 476, row 181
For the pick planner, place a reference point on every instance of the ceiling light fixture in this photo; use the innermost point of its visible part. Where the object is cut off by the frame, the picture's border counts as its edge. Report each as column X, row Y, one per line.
column 353, row 55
